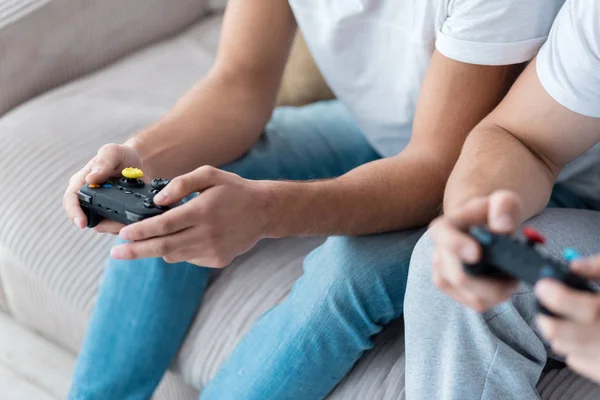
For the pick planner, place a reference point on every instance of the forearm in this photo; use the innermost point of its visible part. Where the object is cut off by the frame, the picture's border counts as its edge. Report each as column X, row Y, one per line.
column 221, row 118
column 493, row 159
column 386, row 195
column 214, row 123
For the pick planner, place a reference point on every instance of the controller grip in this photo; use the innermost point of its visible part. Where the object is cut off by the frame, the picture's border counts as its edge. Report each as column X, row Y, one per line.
column 93, row 219
column 485, row 270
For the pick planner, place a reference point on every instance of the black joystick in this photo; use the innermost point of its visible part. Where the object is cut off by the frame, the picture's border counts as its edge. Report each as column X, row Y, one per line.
column 159, row 183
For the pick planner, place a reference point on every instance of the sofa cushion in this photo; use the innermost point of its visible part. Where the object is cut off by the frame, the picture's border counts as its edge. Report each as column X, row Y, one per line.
column 302, row 82
column 3, row 301
column 46, row 265
column 45, row 43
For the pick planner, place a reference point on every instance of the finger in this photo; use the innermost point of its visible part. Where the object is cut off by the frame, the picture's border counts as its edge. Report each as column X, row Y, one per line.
column 504, row 212
column 108, row 226
column 475, row 212
column 73, row 209
column 587, row 267
column 200, row 251
column 185, row 255
column 574, row 305
column 107, row 161
column 447, row 288
column 184, row 185
column 567, row 337
column 71, row 200
column 155, row 247
column 209, row 263
column 449, row 238
column 482, row 293
column 456, row 279
column 174, row 220
column 586, row 365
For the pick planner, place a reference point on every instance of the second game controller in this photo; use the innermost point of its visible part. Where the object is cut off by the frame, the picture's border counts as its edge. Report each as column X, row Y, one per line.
column 125, row 200
column 512, row 257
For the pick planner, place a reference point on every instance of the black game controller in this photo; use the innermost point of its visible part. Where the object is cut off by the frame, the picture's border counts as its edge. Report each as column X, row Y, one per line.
column 126, row 200
column 507, row 257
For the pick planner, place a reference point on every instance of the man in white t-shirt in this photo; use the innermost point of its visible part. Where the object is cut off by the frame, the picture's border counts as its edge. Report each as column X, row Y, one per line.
column 412, row 79
column 497, row 349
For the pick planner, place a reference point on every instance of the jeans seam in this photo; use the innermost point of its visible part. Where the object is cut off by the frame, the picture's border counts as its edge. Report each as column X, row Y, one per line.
column 489, row 371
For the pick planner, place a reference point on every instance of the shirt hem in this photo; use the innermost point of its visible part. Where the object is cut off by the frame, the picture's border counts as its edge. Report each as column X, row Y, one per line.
column 560, row 95
column 485, row 53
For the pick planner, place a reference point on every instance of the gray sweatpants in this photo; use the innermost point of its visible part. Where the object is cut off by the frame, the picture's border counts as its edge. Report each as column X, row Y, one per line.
column 455, row 353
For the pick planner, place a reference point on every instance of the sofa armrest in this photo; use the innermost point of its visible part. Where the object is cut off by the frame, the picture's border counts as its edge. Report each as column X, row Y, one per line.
column 46, row 43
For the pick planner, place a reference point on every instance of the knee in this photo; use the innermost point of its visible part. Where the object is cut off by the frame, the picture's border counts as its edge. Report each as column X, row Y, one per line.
column 349, row 273
column 342, row 261
column 420, row 286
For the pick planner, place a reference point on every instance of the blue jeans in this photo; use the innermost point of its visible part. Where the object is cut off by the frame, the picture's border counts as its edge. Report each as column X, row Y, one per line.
column 301, row 348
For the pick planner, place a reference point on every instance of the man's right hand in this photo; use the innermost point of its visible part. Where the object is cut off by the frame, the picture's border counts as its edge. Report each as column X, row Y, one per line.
column 500, row 212
column 109, row 162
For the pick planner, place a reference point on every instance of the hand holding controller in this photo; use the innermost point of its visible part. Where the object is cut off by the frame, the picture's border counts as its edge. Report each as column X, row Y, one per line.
column 125, row 200
column 507, row 257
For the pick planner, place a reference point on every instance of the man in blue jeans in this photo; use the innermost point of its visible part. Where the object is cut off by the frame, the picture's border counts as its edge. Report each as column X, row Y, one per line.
column 412, row 78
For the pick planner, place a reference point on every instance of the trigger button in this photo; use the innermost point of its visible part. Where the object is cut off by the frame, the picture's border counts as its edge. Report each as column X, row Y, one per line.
column 84, row 198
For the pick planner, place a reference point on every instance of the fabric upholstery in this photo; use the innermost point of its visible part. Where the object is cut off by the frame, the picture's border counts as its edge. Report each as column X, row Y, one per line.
column 216, row 5
column 56, row 266
column 3, row 301
column 45, row 43
column 50, row 271
column 302, row 82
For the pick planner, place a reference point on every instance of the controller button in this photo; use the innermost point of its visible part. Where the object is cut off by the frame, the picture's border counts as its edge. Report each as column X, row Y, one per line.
column 533, row 236
column 159, row 183
column 93, row 185
column 148, row 204
column 133, row 216
column 570, row 254
column 127, row 192
column 132, row 173
column 107, row 185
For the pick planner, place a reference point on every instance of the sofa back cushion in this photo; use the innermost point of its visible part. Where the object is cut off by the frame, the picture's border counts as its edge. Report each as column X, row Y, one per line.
column 46, row 43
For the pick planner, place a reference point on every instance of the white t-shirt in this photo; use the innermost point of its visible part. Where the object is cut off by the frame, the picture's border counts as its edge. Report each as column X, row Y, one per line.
column 374, row 53
column 568, row 67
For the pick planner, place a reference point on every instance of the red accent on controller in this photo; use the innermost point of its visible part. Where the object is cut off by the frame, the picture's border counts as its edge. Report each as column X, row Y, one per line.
column 533, row 236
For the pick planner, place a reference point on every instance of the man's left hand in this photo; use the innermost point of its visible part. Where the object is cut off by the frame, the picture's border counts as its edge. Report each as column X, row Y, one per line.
column 577, row 336
column 225, row 220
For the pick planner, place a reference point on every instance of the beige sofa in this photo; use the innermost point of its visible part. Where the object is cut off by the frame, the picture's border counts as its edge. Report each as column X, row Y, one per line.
column 76, row 74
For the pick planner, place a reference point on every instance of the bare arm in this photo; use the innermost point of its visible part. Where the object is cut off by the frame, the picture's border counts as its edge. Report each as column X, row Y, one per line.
column 406, row 190
column 221, row 118
column 521, row 146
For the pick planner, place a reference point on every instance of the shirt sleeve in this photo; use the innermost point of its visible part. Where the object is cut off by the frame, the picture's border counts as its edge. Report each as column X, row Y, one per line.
column 568, row 65
column 499, row 32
